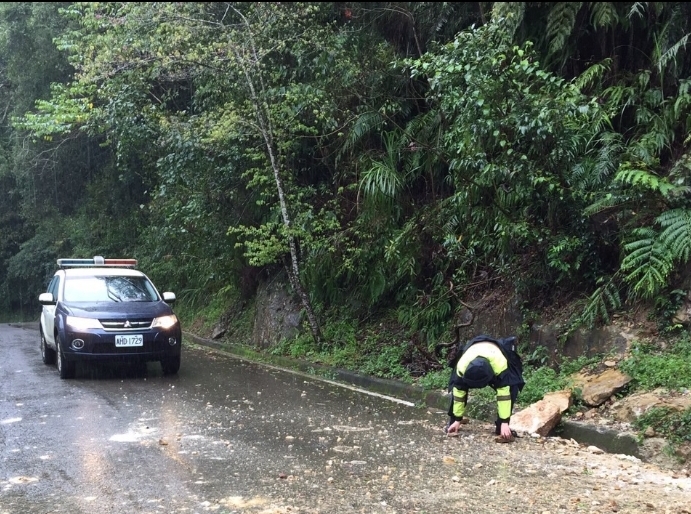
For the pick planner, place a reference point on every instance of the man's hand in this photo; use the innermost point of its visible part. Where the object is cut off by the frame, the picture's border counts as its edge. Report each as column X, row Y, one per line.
column 453, row 428
column 506, row 432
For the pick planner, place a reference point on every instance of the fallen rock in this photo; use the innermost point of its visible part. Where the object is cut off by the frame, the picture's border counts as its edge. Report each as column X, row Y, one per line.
column 632, row 407
column 218, row 332
column 539, row 418
column 597, row 389
column 562, row 399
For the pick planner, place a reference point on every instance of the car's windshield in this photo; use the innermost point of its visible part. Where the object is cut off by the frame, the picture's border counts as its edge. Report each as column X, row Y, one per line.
column 109, row 289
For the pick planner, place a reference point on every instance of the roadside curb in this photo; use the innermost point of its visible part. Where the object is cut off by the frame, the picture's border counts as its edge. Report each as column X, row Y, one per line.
column 606, row 439
column 394, row 388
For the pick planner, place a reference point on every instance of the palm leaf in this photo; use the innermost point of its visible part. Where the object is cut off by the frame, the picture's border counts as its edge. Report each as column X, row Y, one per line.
column 364, row 125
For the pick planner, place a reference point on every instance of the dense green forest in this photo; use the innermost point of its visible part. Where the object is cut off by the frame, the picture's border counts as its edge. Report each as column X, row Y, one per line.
column 393, row 158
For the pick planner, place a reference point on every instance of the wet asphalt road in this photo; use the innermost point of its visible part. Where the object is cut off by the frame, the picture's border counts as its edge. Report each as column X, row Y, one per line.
column 229, row 436
column 127, row 439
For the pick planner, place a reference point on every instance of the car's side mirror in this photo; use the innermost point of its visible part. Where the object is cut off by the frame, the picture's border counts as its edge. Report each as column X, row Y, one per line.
column 46, row 299
column 169, row 297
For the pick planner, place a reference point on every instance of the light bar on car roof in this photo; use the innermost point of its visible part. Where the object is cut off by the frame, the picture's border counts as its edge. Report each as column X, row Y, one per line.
column 97, row 261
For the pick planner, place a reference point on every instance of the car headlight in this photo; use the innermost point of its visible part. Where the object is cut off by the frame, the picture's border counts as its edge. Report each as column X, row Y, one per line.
column 165, row 321
column 82, row 323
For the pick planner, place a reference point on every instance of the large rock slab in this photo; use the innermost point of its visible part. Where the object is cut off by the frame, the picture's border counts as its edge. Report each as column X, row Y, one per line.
column 562, row 399
column 632, row 407
column 597, row 389
column 539, row 418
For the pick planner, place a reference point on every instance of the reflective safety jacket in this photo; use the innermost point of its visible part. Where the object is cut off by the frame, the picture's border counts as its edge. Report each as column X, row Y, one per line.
column 508, row 372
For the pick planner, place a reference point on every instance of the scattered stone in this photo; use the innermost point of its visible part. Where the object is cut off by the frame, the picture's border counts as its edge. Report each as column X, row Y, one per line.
column 590, row 414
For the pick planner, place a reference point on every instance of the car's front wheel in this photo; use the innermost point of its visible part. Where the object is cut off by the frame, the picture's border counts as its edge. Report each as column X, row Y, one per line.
column 66, row 369
column 47, row 354
column 170, row 365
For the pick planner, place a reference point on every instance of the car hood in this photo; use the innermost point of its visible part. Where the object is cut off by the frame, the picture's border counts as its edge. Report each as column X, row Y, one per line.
column 117, row 310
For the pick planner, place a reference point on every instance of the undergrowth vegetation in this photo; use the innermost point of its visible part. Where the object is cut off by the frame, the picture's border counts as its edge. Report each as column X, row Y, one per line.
column 653, row 366
column 673, row 425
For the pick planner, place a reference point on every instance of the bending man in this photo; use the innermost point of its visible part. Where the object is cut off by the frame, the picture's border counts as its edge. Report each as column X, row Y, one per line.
column 487, row 362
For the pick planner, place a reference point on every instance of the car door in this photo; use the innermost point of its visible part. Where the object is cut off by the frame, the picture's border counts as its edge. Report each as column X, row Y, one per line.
column 48, row 312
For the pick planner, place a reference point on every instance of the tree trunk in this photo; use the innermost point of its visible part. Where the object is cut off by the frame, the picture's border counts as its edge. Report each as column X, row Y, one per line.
column 266, row 129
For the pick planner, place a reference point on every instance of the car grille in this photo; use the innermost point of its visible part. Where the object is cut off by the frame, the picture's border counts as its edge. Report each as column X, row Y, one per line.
column 130, row 324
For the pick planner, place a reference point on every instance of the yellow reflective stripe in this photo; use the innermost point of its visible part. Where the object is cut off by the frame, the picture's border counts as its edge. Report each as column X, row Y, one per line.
column 504, row 402
column 460, row 396
column 459, row 400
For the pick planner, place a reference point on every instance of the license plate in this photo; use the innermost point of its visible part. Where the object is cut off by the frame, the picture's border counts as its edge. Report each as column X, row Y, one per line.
column 129, row 340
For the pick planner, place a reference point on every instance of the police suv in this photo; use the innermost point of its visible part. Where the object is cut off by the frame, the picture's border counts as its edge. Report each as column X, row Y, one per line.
column 103, row 310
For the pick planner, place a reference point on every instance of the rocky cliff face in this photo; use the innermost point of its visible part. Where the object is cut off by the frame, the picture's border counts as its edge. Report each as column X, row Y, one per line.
column 278, row 313
column 278, row 316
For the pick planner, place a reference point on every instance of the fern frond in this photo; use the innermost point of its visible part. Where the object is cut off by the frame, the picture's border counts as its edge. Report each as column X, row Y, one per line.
column 637, row 9
column 606, row 202
column 676, row 233
column 593, row 73
column 600, row 303
column 601, row 161
column 650, row 181
column 618, row 97
column 425, row 128
column 603, row 15
column 648, row 264
column 560, row 22
column 510, row 15
column 671, row 53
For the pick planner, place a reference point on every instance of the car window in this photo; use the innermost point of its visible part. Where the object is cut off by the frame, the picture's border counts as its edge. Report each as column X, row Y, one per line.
column 109, row 289
column 54, row 285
